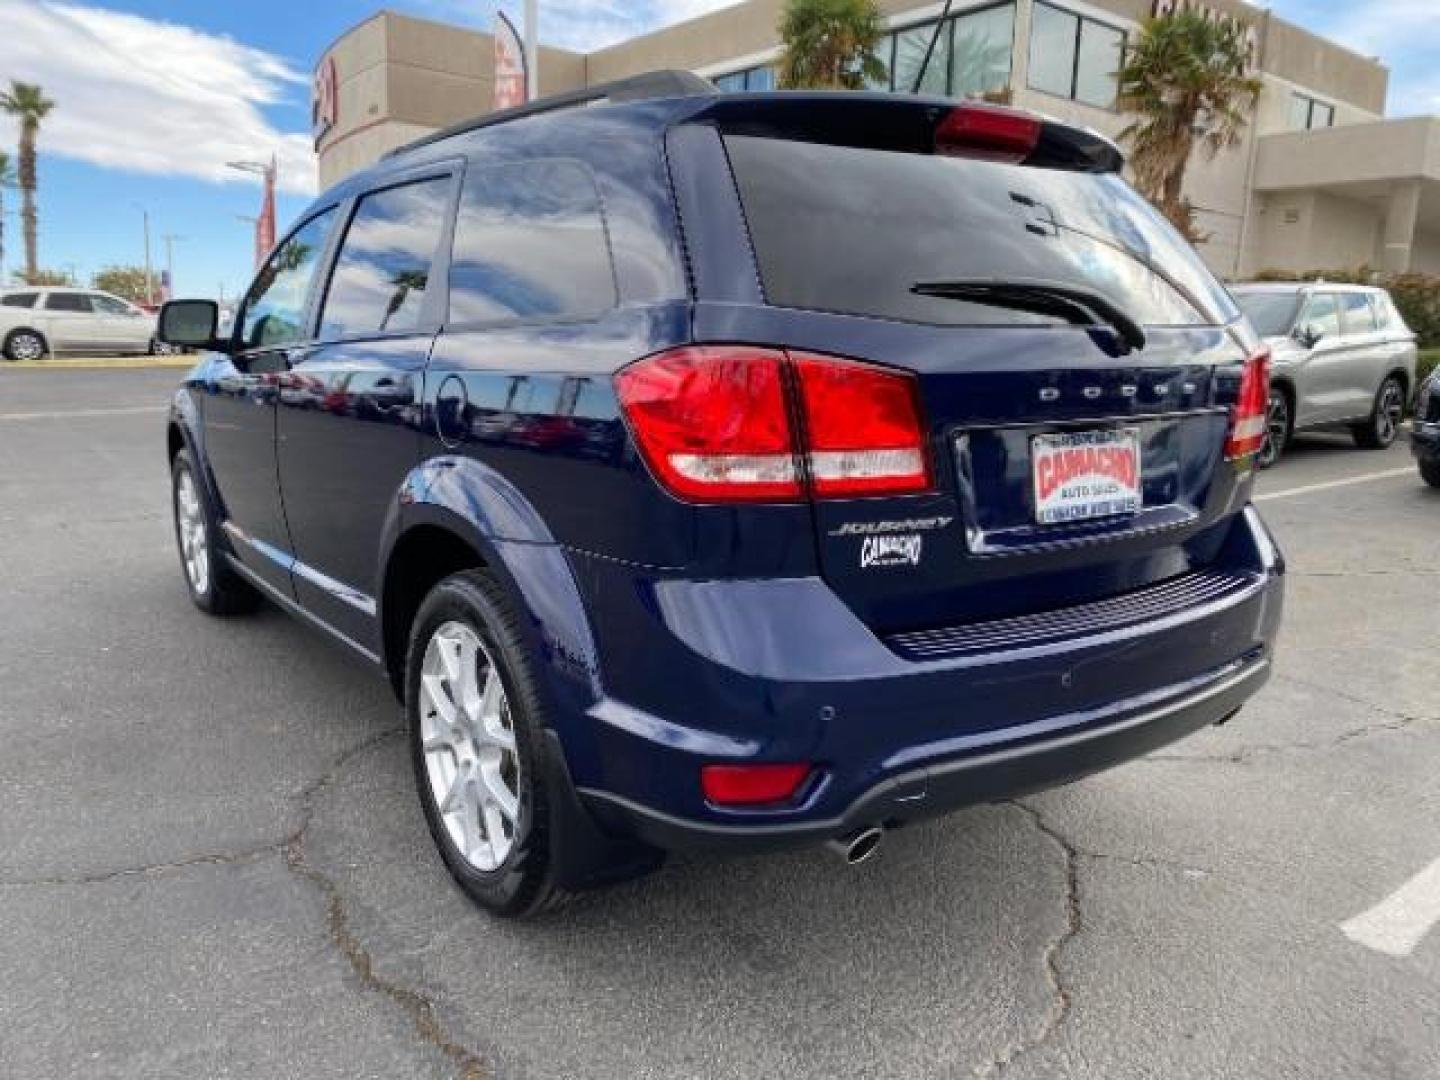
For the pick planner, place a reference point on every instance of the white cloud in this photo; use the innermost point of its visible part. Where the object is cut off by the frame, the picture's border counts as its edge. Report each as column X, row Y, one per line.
column 149, row 96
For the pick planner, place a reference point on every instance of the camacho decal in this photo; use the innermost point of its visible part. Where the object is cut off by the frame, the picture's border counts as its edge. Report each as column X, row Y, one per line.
column 891, row 551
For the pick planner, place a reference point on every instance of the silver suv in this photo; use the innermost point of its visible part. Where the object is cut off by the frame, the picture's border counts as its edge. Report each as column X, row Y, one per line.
column 37, row 321
column 1341, row 355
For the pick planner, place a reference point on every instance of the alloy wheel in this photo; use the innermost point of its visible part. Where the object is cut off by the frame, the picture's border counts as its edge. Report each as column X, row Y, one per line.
column 1277, row 430
column 194, row 542
column 26, row 346
column 468, row 740
column 1390, row 413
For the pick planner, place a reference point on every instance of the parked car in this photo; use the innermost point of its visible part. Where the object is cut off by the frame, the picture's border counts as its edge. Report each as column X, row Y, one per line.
column 1425, row 438
column 35, row 322
column 1341, row 356
column 752, row 470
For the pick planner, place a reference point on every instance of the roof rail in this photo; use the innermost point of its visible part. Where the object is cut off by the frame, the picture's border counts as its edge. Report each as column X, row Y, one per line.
column 651, row 84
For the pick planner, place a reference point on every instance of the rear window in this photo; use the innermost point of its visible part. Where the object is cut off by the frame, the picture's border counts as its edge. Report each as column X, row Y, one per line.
column 19, row 299
column 1271, row 313
column 845, row 229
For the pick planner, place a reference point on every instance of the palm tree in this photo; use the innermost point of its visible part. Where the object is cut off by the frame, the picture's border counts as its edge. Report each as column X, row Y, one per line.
column 7, row 181
column 28, row 104
column 1187, row 77
column 830, row 45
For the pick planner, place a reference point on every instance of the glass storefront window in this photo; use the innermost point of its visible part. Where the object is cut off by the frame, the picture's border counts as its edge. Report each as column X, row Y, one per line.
column 1073, row 56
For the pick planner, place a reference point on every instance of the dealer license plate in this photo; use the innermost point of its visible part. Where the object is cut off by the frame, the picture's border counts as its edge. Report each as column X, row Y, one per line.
column 1085, row 474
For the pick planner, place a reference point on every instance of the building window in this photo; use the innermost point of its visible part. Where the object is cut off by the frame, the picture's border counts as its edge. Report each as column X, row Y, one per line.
column 1307, row 113
column 1073, row 56
column 971, row 55
column 753, row 79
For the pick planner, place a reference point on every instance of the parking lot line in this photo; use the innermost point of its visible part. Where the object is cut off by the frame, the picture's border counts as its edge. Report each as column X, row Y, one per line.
column 1329, row 484
column 1398, row 923
column 131, row 410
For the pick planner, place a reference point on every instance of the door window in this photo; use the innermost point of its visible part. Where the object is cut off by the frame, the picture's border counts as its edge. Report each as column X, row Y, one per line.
column 275, row 306
column 1322, row 316
column 382, row 274
column 61, row 301
column 1359, row 315
column 530, row 245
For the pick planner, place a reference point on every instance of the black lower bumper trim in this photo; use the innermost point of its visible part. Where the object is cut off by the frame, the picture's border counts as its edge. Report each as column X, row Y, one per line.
column 937, row 789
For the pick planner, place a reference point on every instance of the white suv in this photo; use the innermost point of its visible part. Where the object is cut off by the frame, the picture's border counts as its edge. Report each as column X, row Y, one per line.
column 37, row 321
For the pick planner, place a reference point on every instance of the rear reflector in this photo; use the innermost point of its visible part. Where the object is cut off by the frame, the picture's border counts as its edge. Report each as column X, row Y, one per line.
column 720, row 423
column 862, row 428
column 751, row 785
column 989, row 132
column 1247, row 420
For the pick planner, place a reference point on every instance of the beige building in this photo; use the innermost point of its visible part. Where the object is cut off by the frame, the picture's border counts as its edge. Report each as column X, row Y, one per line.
column 1322, row 179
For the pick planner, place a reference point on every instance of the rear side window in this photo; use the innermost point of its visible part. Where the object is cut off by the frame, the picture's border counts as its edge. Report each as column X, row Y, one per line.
column 1358, row 314
column 19, row 299
column 530, row 245
column 62, row 301
column 382, row 274
column 847, row 229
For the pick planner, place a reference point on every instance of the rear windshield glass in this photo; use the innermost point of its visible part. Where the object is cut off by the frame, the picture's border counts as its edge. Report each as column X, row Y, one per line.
column 839, row 228
column 1271, row 313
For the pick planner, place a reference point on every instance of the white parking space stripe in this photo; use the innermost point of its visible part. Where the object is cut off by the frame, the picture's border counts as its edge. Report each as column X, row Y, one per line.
column 1398, row 923
column 1329, row 484
column 135, row 410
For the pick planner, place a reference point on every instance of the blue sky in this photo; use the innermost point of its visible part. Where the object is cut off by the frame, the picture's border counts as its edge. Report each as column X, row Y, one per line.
column 155, row 95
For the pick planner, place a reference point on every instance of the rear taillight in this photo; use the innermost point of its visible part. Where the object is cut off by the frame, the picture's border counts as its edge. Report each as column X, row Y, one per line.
column 862, row 429
column 1247, row 419
column 987, row 131
column 735, row 423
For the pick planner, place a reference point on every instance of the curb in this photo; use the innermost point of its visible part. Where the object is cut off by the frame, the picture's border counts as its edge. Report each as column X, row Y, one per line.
column 100, row 363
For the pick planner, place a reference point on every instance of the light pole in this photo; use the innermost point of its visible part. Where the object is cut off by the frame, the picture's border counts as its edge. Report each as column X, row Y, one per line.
column 170, row 239
column 265, row 223
column 149, row 276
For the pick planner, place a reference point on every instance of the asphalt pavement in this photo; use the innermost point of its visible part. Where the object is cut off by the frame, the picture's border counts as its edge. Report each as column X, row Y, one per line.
column 212, row 862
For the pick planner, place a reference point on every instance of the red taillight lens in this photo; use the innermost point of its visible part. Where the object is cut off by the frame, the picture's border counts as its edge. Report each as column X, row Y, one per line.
column 751, row 785
column 988, row 131
column 1247, row 420
column 862, row 429
column 714, row 424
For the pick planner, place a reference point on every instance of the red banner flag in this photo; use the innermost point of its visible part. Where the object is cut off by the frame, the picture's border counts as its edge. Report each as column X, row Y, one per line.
column 265, row 223
column 510, row 83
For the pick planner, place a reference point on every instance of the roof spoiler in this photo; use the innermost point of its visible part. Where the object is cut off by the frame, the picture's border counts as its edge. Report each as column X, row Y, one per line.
column 652, row 84
column 916, row 125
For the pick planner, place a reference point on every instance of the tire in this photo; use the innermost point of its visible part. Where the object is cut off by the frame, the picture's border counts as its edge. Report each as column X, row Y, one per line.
column 212, row 585
column 496, row 836
column 1430, row 471
column 1277, row 429
column 160, row 348
column 1381, row 429
column 24, row 345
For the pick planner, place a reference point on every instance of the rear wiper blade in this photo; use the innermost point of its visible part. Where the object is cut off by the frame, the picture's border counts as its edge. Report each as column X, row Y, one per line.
column 1073, row 303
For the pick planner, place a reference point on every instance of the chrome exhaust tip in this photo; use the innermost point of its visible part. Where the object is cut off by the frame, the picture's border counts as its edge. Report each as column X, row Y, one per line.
column 858, row 846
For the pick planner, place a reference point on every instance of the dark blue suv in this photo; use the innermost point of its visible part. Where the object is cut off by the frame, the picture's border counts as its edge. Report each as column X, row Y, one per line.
column 728, row 471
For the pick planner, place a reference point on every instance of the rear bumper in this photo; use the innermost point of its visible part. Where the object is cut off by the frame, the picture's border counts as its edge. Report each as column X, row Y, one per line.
column 1005, row 772
column 779, row 670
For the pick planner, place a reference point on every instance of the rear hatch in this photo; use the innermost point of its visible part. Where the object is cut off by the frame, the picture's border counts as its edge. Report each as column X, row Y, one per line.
column 1075, row 362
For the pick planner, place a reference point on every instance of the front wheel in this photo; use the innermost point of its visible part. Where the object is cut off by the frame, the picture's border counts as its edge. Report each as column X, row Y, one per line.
column 1383, row 426
column 1277, row 429
column 1430, row 471
column 24, row 345
column 213, row 586
column 475, row 738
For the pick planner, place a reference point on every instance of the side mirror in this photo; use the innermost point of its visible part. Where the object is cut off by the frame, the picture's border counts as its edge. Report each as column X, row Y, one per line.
column 191, row 324
column 1307, row 336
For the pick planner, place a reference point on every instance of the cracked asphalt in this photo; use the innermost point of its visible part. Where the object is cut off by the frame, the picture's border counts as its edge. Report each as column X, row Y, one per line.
column 212, row 863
